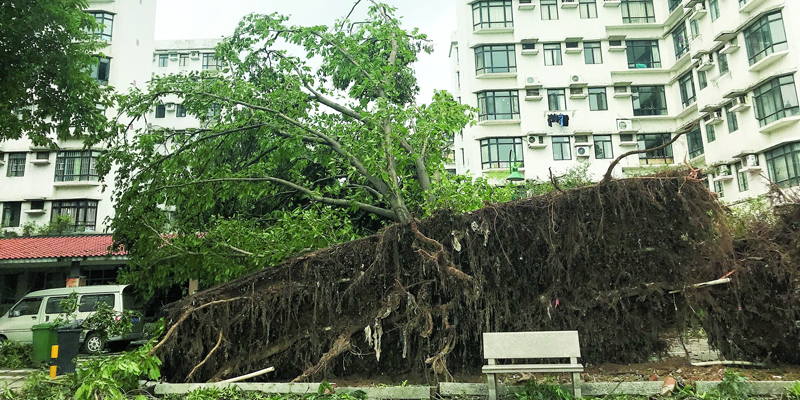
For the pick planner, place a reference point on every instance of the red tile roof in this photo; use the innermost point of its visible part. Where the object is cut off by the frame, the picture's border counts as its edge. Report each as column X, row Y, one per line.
column 55, row 247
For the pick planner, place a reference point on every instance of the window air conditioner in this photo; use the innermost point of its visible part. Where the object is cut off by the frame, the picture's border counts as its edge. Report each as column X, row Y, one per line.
column 624, row 125
column 583, row 151
column 195, row 55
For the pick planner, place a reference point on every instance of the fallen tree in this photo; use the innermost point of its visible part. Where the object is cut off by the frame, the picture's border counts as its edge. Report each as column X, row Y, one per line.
column 416, row 297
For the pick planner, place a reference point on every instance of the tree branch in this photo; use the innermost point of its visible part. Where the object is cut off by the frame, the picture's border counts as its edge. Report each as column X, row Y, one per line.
column 607, row 176
column 315, row 197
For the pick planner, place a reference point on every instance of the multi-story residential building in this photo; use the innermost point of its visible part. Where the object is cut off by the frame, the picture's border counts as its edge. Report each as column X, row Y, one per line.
column 173, row 57
column 39, row 184
column 559, row 82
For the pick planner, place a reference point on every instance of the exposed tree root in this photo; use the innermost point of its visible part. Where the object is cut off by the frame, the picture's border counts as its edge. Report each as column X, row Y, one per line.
column 183, row 317
column 341, row 345
column 219, row 342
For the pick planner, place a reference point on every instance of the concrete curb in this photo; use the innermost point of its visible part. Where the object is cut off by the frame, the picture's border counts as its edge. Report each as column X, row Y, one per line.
column 465, row 389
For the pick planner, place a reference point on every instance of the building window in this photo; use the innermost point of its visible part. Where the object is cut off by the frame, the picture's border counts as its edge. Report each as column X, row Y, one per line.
column 503, row 104
column 783, row 165
column 651, row 141
column 100, row 70
column 498, row 152
column 184, row 58
column 11, row 214
column 713, row 7
column 602, row 147
column 588, row 8
column 741, row 177
column 163, row 60
column 161, row 111
column 711, row 133
column 552, row 53
column 733, row 123
column 105, row 19
column 597, row 99
column 680, row 40
column 180, row 111
column 78, row 165
column 694, row 28
column 702, row 79
column 37, row 204
column 695, row 139
column 649, row 100
column 102, row 277
column 592, row 53
column 16, row 164
column 686, row 83
column 549, row 9
column 765, row 36
column 722, row 59
column 556, row 99
column 83, row 213
column 638, row 11
column 561, row 149
column 643, row 54
column 673, row 4
column 495, row 59
column 719, row 188
column 492, row 14
column 210, row 61
column 776, row 99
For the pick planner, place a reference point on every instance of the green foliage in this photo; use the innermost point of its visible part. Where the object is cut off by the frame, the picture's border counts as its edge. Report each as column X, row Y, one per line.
column 114, row 378
column 234, row 393
column 794, row 391
column 45, row 64
column 39, row 386
column 59, row 225
column 751, row 214
column 537, row 391
column 294, row 157
column 15, row 355
column 732, row 387
column 103, row 319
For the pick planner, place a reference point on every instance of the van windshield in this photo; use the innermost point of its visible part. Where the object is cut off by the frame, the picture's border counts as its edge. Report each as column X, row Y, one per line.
column 26, row 307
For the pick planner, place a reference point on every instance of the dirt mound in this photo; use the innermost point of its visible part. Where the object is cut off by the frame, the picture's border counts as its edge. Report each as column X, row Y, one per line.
column 416, row 297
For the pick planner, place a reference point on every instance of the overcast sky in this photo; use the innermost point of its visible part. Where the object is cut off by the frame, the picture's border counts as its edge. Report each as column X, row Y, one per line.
column 201, row 19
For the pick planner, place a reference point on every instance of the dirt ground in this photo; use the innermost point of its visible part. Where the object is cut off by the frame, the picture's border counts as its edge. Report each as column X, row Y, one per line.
column 677, row 367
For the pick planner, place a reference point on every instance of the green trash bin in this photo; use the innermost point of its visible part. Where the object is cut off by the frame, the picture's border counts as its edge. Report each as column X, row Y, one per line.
column 44, row 337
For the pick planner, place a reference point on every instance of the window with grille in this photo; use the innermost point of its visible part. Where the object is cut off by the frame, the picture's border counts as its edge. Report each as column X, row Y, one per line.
column 500, row 152
column 77, row 165
column 82, row 213
column 495, row 59
column 502, row 104
column 16, row 164
column 492, row 14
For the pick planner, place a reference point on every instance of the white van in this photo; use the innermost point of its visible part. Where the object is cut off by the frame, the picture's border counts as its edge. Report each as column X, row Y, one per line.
column 45, row 306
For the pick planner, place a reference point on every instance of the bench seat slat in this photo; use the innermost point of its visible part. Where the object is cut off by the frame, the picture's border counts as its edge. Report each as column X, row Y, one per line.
column 500, row 369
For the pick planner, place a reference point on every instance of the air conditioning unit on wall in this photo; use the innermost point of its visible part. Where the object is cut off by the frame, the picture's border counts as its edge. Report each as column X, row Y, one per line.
column 583, row 151
column 624, row 125
column 195, row 55
column 752, row 160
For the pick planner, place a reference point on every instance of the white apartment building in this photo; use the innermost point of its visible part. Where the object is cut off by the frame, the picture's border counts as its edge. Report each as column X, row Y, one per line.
column 562, row 82
column 38, row 184
column 177, row 56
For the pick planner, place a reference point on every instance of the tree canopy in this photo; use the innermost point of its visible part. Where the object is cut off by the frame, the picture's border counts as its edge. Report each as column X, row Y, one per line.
column 46, row 54
column 295, row 152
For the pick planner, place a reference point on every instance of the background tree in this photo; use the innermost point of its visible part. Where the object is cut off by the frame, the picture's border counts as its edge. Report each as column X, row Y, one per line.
column 46, row 54
column 290, row 157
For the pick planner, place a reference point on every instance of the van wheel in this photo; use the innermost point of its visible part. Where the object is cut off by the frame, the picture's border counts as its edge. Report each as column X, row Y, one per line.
column 94, row 343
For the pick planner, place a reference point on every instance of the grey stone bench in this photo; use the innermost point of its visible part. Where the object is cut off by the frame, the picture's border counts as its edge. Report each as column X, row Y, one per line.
column 541, row 345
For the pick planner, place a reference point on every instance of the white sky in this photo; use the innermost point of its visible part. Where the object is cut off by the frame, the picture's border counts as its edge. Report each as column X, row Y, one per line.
column 202, row 19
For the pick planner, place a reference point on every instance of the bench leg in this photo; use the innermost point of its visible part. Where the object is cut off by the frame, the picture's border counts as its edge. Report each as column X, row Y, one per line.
column 492, row 387
column 576, row 384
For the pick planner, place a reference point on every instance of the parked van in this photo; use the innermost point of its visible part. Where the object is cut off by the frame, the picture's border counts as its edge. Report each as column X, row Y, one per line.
column 45, row 306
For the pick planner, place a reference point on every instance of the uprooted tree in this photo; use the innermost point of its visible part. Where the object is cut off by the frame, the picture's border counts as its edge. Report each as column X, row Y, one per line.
column 416, row 297
column 340, row 147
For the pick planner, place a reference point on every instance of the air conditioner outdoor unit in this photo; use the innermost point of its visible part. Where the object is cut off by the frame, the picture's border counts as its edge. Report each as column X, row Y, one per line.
column 624, row 125
column 724, row 170
column 170, row 106
column 195, row 55
column 535, row 140
column 752, row 160
column 575, row 79
column 531, row 81
column 583, row 151
column 173, row 56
